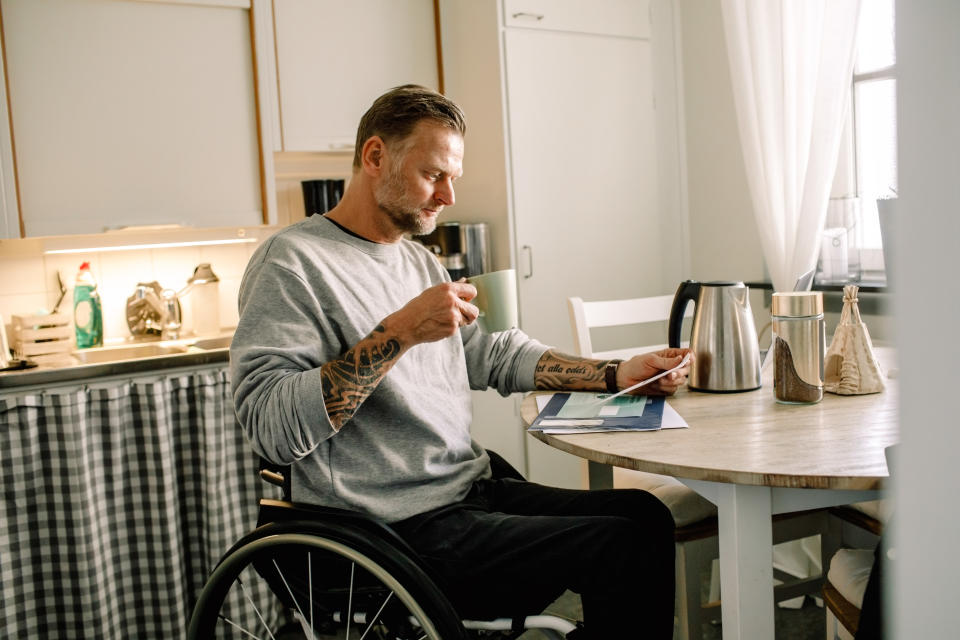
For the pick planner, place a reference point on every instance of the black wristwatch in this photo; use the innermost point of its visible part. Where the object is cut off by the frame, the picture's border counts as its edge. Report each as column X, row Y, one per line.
column 610, row 375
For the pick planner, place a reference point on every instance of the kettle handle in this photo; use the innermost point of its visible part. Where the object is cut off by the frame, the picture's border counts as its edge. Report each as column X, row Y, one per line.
column 689, row 290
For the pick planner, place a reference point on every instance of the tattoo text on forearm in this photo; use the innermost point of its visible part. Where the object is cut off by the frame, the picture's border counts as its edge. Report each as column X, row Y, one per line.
column 349, row 380
column 561, row 371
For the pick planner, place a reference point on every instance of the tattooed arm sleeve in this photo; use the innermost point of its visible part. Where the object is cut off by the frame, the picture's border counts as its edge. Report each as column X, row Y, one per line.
column 561, row 371
column 349, row 380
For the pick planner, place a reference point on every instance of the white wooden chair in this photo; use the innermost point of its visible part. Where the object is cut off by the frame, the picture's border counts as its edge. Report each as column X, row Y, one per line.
column 694, row 516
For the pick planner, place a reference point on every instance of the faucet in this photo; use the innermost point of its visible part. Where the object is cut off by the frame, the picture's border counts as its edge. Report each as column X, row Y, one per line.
column 153, row 310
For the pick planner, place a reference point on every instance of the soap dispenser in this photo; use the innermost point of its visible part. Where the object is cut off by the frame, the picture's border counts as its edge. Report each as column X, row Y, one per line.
column 87, row 309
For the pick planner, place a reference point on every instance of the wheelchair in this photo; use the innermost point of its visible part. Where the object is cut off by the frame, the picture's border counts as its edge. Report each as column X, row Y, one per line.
column 317, row 572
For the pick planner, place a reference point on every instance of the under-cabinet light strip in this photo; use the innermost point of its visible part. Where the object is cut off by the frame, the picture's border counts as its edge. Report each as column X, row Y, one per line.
column 158, row 245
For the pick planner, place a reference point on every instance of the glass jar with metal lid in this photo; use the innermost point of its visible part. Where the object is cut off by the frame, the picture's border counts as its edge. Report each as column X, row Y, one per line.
column 799, row 344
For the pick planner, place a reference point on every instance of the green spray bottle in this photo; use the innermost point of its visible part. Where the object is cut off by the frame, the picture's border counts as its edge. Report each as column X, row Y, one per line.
column 87, row 309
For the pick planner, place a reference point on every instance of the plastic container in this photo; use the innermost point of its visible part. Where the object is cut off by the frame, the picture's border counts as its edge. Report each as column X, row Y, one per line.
column 799, row 344
column 204, row 287
column 87, row 309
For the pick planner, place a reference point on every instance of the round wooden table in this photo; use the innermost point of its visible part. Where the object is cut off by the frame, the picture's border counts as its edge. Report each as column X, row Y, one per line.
column 753, row 458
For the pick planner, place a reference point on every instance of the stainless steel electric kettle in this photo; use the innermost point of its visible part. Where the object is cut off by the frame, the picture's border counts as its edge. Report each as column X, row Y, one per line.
column 723, row 337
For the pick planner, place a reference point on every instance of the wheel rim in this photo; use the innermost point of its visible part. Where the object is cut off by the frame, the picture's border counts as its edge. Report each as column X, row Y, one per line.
column 226, row 583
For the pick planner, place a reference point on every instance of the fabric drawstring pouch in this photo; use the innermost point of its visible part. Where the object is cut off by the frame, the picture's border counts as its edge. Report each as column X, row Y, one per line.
column 850, row 366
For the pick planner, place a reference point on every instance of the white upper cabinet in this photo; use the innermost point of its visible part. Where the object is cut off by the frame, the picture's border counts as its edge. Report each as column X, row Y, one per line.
column 628, row 18
column 334, row 58
column 128, row 113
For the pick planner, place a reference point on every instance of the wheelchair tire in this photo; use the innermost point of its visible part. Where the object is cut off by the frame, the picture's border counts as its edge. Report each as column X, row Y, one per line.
column 331, row 572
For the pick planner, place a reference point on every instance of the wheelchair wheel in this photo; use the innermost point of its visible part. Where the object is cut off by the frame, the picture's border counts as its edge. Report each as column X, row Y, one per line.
column 321, row 580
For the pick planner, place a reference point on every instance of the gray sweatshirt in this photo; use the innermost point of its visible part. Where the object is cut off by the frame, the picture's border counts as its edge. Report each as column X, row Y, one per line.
column 310, row 293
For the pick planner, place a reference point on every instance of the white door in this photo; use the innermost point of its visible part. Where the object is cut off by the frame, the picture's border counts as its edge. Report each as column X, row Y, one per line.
column 584, row 181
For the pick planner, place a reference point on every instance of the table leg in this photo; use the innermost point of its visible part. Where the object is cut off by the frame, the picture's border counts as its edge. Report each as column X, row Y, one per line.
column 746, row 565
column 599, row 475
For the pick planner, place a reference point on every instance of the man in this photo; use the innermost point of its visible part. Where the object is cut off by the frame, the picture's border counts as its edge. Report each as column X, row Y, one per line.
column 352, row 363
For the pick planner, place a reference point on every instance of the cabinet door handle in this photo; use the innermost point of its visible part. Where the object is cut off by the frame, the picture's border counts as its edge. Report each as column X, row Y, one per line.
column 529, row 250
column 524, row 14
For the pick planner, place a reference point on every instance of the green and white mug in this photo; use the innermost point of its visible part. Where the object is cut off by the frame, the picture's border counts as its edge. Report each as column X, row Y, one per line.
column 496, row 299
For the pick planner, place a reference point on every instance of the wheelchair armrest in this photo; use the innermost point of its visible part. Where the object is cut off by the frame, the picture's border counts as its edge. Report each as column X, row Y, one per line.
column 277, row 475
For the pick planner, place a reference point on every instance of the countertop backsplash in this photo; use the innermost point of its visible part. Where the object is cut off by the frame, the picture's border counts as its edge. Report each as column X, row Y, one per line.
column 28, row 283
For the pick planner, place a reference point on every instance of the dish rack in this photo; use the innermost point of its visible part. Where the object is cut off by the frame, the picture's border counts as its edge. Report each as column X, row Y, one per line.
column 42, row 338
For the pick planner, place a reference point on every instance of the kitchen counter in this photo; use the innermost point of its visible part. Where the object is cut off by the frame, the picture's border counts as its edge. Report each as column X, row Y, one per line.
column 122, row 359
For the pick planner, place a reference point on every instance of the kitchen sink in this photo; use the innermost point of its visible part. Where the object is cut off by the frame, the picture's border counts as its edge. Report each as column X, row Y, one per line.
column 222, row 342
column 123, row 358
column 127, row 352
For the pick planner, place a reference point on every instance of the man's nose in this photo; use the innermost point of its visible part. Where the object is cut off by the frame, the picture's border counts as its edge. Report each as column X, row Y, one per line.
column 445, row 194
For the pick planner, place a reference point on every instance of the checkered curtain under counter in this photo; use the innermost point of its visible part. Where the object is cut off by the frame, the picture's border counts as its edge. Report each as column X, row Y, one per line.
column 118, row 502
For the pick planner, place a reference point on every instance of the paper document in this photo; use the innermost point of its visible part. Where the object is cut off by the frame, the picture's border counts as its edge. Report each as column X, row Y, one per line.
column 585, row 405
column 579, row 412
column 670, row 420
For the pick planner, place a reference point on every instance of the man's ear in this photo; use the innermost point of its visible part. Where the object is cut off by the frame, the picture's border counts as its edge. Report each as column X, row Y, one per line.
column 372, row 155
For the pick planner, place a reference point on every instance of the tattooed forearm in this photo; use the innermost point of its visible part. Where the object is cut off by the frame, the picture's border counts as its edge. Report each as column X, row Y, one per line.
column 349, row 380
column 561, row 371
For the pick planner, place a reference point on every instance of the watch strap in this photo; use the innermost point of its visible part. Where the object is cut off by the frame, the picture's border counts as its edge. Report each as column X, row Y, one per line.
column 610, row 375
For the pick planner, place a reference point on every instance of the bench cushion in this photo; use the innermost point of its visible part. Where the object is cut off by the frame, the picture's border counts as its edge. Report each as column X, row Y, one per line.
column 686, row 505
column 879, row 510
column 849, row 573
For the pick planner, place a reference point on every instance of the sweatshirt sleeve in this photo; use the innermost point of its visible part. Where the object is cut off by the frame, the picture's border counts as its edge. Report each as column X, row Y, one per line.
column 275, row 358
column 505, row 361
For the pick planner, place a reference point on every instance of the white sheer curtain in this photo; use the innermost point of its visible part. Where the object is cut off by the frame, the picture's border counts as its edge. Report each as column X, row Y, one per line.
column 791, row 63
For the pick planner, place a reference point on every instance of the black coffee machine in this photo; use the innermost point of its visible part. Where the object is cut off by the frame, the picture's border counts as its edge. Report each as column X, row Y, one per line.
column 446, row 241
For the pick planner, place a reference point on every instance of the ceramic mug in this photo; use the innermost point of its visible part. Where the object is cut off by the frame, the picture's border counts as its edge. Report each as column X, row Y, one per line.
column 496, row 299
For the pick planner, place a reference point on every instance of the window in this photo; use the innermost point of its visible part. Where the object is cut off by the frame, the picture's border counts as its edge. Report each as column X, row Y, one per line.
column 867, row 169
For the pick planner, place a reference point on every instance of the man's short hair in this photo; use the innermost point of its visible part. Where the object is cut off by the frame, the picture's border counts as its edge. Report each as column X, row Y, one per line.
column 393, row 115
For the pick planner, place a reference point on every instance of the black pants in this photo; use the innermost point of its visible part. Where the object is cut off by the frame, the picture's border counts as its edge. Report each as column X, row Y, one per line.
column 512, row 547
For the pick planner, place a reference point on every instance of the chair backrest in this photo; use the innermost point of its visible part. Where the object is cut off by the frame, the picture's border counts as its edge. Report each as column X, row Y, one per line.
column 585, row 316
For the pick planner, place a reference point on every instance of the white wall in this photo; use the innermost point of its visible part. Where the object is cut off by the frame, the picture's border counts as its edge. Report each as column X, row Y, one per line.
column 724, row 244
column 927, row 476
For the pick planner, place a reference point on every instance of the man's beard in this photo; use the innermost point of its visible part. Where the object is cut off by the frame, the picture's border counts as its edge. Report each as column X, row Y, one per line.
column 405, row 215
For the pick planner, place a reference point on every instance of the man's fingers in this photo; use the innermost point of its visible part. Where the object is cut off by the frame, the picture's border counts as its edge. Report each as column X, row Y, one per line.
column 464, row 290
column 468, row 311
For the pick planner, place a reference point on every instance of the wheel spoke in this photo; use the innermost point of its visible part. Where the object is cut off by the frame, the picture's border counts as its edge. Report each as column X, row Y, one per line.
column 255, row 608
column 310, row 585
column 373, row 620
column 353, row 565
column 238, row 627
column 294, row 598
